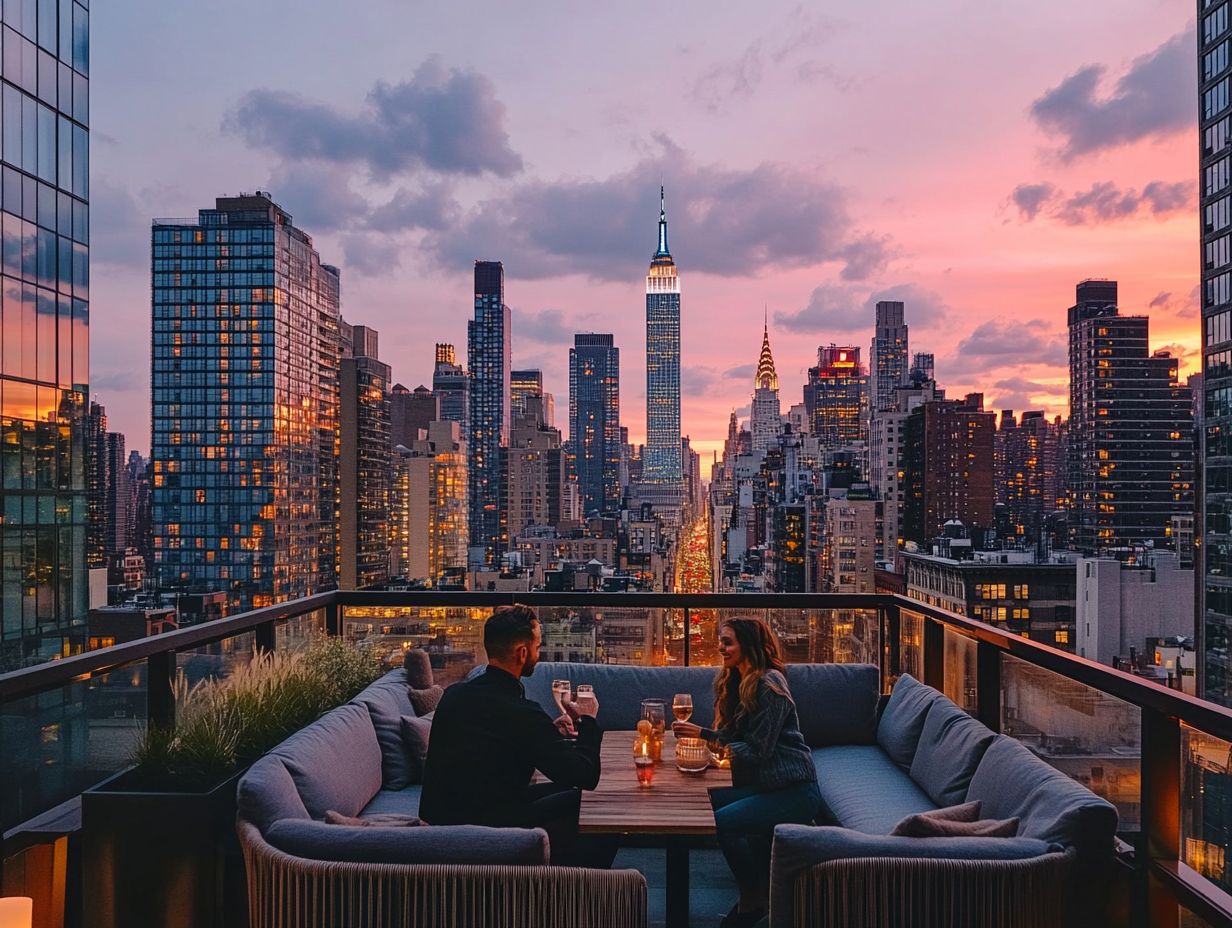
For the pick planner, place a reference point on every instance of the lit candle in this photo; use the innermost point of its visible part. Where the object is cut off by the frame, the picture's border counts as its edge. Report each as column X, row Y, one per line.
column 16, row 912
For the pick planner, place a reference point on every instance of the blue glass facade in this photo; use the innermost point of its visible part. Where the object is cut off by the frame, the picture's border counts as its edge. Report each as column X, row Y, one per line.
column 244, row 414
column 487, row 343
column 594, row 421
column 44, row 326
column 661, row 462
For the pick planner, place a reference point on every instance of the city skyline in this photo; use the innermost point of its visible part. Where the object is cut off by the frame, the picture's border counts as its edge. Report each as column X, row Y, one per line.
column 952, row 231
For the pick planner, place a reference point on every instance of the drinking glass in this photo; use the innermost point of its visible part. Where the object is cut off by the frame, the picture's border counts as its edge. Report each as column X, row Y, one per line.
column 692, row 755
column 682, row 706
column 653, row 712
column 585, row 695
column 561, row 690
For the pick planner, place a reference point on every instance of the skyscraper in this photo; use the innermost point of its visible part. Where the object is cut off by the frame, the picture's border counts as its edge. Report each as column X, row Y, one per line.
column 364, row 464
column 1130, row 453
column 532, row 474
column 836, row 397
column 244, row 405
column 594, row 421
column 452, row 386
column 525, row 384
column 661, row 462
column 1028, row 472
column 45, row 373
column 1215, row 509
column 766, row 418
column 487, row 343
column 889, row 353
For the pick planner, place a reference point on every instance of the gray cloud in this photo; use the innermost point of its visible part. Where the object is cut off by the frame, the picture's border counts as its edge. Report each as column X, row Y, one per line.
column 548, row 326
column 445, row 119
column 318, row 196
column 432, row 207
column 842, row 309
column 120, row 228
column 1030, row 198
column 998, row 344
column 722, row 221
column 374, row 255
column 741, row 372
column 1179, row 351
column 1186, row 306
column 1105, row 202
column 728, row 79
column 999, row 337
column 1153, row 99
column 697, row 379
column 118, row 381
column 865, row 257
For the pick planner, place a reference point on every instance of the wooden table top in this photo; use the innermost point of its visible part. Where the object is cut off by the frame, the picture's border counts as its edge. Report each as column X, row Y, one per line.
column 674, row 804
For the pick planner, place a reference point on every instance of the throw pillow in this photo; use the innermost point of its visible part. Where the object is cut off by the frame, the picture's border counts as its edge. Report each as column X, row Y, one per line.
column 913, row 824
column 387, row 820
column 415, row 735
column 425, row 700
column 418, row 669
column 926, row 826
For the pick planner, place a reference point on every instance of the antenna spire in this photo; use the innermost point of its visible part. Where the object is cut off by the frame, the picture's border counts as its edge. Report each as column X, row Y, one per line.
column 662, row 252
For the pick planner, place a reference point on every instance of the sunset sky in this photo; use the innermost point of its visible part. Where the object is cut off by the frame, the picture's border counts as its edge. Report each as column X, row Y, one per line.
column 973, row 159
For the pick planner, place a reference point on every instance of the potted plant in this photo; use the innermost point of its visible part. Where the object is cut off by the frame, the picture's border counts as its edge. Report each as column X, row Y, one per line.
column 159, row 837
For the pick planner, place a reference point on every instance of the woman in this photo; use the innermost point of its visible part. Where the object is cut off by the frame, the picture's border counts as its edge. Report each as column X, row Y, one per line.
column 773, row 778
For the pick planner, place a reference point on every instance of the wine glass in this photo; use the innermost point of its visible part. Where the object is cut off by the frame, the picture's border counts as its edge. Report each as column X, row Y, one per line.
column 682, row 706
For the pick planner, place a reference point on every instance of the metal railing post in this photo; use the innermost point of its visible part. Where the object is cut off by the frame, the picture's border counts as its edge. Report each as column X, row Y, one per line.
column 892, row 639
column 988, row 684
column 160, row 689
column 933, row 634
column 333, row 618
column 688, row 636
column 265, row 636
column 1161, row 811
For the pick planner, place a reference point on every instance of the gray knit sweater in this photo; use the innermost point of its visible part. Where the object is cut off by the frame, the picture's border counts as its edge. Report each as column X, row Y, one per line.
column 767, row 748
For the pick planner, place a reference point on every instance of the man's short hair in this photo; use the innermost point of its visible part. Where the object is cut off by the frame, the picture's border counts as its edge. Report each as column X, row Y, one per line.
column 508, row 627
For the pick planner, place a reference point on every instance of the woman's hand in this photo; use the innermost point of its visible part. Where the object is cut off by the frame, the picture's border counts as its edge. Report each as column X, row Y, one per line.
column 686, row 730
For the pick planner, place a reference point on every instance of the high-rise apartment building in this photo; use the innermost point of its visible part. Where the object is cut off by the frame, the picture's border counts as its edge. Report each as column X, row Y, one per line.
column 836, row 397
column 527, row 383
column 430, row 506
column 44, row 378
column 765, row 417
column 594, row 421
column 1215, row 508
column 532, row 474
column 1028, row 473
column 888, row 354
column 887, row 476
column 364, row 464
column 244, row 405
column 661, row 460
column 451, row 385
column 488, row 346
column 1130, row 446
column 947, row 452
column 409, row 412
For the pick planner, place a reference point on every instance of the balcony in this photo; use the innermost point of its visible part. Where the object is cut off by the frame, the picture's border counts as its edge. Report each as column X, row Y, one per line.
column 1164, row 759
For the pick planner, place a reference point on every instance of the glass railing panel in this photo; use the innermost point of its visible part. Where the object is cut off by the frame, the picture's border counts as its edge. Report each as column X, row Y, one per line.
column 452, row 635
column 960, row 681
column 1083, row 732
column 58, row 743
column 1190, row 919
column 1206, row 805
column 911, row 643
column 297, row 633
column 828, row 636
column 217, row 660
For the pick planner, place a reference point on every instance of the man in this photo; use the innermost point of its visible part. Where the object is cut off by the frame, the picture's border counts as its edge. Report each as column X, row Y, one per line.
column 488, row 739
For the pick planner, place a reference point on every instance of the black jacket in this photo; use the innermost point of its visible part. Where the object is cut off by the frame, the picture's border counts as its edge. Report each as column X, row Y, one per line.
column 487, row 740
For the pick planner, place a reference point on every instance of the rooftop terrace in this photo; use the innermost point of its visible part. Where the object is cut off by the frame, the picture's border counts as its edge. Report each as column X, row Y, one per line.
column 1163, row 758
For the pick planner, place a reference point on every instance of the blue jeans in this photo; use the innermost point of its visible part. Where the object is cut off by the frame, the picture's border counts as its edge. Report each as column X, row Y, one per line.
column 744, row 818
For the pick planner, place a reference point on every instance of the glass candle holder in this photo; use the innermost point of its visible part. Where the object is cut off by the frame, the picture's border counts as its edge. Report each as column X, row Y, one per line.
column 644, row 767
column 692, row 755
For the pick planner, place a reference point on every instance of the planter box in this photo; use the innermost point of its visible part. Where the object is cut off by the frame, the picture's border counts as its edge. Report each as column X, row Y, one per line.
column 161, row 858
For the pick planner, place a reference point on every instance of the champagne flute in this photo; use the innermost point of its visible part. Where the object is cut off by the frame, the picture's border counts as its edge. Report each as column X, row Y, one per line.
column 682, row 706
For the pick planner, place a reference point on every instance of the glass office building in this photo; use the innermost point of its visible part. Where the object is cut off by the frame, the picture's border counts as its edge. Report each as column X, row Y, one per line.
column 487, row 350
column 661, row 463
column 245, row 399
column 44, row 372
column 594, row 421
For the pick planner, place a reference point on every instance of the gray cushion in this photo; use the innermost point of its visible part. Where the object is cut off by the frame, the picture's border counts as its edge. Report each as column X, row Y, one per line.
column 620, row 689
column 386, row 701
column 862, row 788
column 395, row 802
column 951, row 746
column 335, row 762
column 267, row 794
column 837, row 703
column 902, row 721
column 427, row 844
column 1011, row 781
column 416, row 733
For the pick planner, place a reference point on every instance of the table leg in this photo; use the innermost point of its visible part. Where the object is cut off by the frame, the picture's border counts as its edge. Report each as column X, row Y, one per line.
column 677, row 885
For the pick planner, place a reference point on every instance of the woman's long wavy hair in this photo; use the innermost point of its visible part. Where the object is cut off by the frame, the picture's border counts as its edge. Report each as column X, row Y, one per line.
column 735, row 694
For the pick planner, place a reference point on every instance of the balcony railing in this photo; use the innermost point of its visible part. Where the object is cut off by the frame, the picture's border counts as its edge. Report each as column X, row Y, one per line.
column 1163, row 758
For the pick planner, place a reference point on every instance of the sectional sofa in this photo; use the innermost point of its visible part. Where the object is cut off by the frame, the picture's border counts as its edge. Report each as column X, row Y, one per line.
column 877, row 762
column 305, row 873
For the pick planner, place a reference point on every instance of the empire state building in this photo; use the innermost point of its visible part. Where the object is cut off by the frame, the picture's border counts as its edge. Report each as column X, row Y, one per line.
column 661, row 463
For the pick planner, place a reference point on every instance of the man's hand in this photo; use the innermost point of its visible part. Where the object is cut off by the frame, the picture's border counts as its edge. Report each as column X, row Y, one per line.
column 686, row 730
column 587, row 707
column 564, row 725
